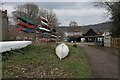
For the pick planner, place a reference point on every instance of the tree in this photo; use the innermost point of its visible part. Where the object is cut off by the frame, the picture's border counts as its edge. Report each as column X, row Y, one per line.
column 32, row 12
column 116, row 19
column 28, row 10
column 52, row 21
column 50, row 16
column 114, row 10
column 73, row 26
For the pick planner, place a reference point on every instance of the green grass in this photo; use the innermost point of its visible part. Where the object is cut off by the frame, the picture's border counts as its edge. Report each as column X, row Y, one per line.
column 42, row 62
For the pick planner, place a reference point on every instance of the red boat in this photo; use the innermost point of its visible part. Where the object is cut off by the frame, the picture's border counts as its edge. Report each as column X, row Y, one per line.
column 26, row 25
column 20, row 29
column 44, row 20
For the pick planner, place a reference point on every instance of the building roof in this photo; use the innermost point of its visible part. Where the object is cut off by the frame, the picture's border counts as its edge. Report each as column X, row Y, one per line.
column 90, row 32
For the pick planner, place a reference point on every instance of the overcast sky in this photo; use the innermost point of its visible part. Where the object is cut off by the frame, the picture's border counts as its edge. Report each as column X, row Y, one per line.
column 83, row 13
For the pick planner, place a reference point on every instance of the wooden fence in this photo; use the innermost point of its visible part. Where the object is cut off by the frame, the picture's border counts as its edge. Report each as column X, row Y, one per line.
column 115, row 43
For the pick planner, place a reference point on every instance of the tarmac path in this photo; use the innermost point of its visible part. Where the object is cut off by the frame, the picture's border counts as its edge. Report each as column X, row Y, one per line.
column 103, row 64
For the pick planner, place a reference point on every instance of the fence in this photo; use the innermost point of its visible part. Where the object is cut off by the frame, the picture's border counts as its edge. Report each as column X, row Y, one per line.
column 115, row 43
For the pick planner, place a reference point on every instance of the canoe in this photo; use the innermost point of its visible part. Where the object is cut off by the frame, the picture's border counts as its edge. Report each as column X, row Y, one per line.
column 43, row 19
column 53, row 36
column 44, row 29
column 43, row 23
column 25, row 20
column 27, row 30
column 26, row 25
column 20, row 28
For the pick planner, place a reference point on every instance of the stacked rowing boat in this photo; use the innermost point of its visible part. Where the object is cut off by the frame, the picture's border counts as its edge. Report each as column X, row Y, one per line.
column 25, row 25
column 12, row 45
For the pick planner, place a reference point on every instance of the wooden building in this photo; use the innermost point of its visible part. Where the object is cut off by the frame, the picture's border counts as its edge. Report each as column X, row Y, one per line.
column 107, row 39
column 87, row 33
column 90, row 35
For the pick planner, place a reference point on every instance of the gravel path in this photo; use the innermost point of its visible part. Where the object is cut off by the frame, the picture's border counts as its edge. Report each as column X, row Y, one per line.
column 103, row 64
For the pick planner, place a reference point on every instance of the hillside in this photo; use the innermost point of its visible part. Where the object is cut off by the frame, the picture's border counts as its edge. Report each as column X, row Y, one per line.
column 101, row 26
column 96, row 27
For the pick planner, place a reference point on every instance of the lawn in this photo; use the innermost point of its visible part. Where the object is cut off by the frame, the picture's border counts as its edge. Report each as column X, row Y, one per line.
column 41, row 62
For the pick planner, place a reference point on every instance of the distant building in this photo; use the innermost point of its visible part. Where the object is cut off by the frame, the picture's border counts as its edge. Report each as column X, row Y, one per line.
column 71, row 34
column 4, row 27
column 89, row 33
column 107, row 38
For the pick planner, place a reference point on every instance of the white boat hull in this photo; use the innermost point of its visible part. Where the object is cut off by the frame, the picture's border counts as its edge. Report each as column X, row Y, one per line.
column 62, row 50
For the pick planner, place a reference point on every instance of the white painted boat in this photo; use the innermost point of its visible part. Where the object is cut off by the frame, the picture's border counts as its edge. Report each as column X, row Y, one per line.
column 62, row 50
column 44, row 29
column 12, row 45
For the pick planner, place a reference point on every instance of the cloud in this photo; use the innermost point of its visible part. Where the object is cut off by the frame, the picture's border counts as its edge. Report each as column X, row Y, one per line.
column 56, row 5
column 65, row 5
column 58, row 0
column 82, row 16
column 9, row 9
column 82, row 12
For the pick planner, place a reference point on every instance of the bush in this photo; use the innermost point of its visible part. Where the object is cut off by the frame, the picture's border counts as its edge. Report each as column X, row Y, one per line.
column 74, row 45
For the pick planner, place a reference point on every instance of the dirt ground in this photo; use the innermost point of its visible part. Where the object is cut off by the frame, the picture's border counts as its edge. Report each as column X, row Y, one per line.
column 103, row 64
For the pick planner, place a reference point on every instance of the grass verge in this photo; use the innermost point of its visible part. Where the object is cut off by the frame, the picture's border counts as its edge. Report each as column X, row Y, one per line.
column 42, row 62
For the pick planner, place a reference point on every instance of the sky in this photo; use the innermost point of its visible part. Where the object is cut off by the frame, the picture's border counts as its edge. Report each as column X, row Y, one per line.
column 84, row 13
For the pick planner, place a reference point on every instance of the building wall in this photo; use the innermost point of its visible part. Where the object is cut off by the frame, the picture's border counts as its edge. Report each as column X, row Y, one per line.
column 0, row 27
column 4, row 26
column 73, row 34
column 5, row 34
column 107, row 41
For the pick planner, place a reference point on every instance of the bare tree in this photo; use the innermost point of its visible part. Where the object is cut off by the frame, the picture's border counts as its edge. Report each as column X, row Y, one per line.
column 33, row 12
column 114, row 10
column 52, row 21
column 50, row 16
column 73, row 26
column 28, row 10
column 73, row 23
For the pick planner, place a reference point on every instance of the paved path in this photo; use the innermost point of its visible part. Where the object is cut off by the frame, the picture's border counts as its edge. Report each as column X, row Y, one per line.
column 103, row 64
